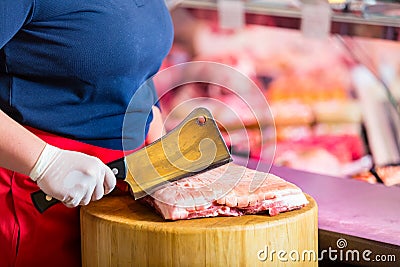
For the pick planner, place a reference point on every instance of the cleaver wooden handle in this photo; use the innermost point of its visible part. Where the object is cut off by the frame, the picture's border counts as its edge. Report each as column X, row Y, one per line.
column 42, row 201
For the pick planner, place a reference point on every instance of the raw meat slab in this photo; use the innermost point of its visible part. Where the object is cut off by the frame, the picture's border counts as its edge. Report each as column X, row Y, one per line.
column 230, row 190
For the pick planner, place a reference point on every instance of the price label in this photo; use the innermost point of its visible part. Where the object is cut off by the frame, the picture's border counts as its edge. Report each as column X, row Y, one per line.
column 316, row 19
column 231, row 14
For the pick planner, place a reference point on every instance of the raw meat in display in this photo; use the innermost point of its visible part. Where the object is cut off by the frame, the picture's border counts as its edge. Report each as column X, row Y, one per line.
column 390, row 175
column 345, row 148
column 365, row 176
column 291, row 112
column 293, row 133
column 337, row 111
column 316, row 160
column 225, row 191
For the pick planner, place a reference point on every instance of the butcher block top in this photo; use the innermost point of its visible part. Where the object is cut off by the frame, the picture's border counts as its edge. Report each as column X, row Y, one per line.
column 125, row 210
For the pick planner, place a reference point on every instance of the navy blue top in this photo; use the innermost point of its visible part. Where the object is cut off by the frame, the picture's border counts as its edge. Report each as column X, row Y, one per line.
column 72, row 67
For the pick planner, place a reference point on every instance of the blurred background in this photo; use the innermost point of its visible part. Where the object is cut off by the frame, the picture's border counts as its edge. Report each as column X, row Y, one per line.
column 329, row 71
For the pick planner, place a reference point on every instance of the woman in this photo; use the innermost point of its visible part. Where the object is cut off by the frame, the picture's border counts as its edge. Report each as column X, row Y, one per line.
column 68, row 72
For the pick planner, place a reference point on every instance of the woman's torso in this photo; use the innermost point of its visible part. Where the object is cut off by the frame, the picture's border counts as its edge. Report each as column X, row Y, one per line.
column 73, row 66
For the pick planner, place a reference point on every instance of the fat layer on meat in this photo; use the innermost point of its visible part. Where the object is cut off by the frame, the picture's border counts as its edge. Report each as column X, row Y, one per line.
column 226, row 191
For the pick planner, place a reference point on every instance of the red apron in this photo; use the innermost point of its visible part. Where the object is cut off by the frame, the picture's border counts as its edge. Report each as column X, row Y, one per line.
column 31, row 238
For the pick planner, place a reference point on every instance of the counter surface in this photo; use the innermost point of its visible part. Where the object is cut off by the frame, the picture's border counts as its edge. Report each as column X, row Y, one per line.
column 347, row 206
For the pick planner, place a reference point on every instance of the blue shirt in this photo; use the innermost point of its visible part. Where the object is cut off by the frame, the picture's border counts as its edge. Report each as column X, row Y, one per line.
column 73, row 67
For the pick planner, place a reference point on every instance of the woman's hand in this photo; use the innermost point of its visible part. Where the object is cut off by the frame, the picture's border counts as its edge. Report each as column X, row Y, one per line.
column 72, row 177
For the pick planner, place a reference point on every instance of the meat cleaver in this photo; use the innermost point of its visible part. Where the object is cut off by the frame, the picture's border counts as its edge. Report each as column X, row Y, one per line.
column 194, row 146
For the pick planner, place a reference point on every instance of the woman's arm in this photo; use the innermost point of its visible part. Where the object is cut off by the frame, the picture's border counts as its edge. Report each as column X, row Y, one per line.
column 156, row 129
column 71, row 177
column 19, row 148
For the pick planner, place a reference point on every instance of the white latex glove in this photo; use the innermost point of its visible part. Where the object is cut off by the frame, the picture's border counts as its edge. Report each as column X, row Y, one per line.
column 72, row 177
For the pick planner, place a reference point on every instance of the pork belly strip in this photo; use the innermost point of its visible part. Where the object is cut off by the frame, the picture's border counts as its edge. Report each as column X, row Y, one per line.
column 225, row 191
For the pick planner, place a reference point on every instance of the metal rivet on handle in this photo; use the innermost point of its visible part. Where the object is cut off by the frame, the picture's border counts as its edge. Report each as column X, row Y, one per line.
column 201, row 120
column 48, row 198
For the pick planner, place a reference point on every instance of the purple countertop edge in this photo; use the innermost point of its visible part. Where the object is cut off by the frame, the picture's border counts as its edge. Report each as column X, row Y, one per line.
column 346, row 206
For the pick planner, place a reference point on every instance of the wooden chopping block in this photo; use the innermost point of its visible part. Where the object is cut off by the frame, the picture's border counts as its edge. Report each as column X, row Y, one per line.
column 119, row 231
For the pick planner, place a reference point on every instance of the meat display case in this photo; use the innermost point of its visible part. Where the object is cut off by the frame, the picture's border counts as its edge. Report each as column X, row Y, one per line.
column 350, row 19
column 267, row 50
column 362, row 214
